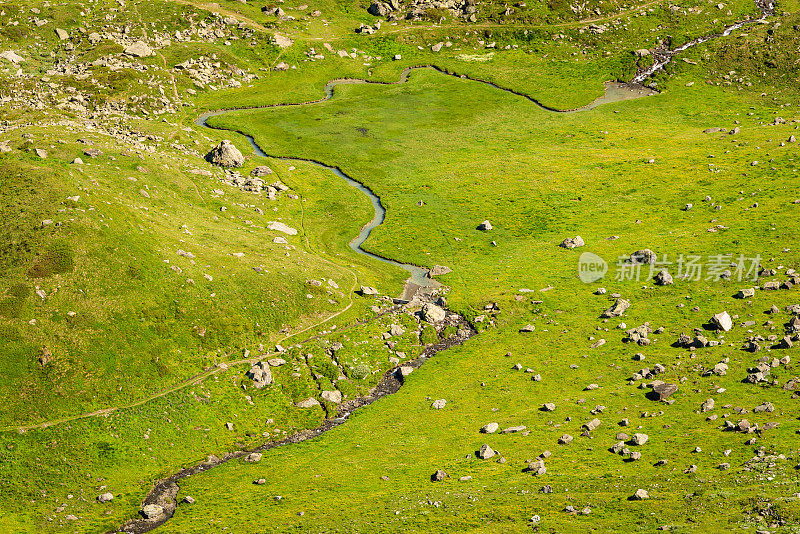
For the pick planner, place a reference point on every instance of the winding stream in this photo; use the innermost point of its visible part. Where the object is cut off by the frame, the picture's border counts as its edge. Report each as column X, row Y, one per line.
column 614, row 92
column 165, row 492
column 662, row 57
column 419, row 275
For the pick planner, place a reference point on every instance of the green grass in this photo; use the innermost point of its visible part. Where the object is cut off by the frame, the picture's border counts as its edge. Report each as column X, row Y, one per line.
column 479, row 153
column 123, row 325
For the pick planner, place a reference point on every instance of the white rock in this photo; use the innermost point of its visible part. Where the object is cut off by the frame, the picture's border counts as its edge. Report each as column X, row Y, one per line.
column 281, row 227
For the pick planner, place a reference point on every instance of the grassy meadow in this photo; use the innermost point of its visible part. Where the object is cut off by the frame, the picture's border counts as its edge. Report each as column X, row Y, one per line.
column 132, row 285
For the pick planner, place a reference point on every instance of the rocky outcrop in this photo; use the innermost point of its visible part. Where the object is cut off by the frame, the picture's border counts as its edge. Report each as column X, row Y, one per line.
column 225, row 154
column 260, row 374
column 139, row 49
column 421, row 9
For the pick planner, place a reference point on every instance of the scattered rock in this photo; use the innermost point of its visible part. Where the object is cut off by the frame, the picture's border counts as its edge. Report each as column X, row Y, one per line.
column 438, row 404
column 152, row 511
column 225, row 154
column 616, row 309
column 572, row 242
column 722, row 321
column 308, row 403
column 485, row 452
column 663, row 278
column 489, row 428
column 139, row 49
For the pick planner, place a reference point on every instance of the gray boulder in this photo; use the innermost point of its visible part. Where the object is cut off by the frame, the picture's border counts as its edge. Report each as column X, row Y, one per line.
column 332, row 396
column 490, row 428
column 572, row 242
column 663, row 278
column 225, row 154
column 617, row 309
column 152, row 511
column 260, row 374
column 433, row 313
column 722, row 321
column 261, row 170
column 644, row 256
column 308, row 403
column 139, row 49
column 379, row 9
column 662, row 391
column 485, row 452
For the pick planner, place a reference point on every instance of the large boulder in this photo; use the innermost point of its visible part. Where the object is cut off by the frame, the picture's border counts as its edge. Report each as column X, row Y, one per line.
column 139, row 49
column 439, row 270
column 281, row 227
column 260, row 374
column 664, row 390
column 746, row 293
column 225, row 154
column 332, row 396
column 663, row 278
column 379, row 9
column 572, row 242
column 308, row 403
column 722, row 321
column 485, row 452
column 644, row 256
column 490, row 428
column 617, row 309
column 152, row 511
column 433, row 313
column 261, row 170
column 13, row 57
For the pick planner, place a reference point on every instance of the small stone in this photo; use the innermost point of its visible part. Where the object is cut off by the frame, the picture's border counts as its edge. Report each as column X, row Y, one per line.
column 485, row 452
column 489, row 428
